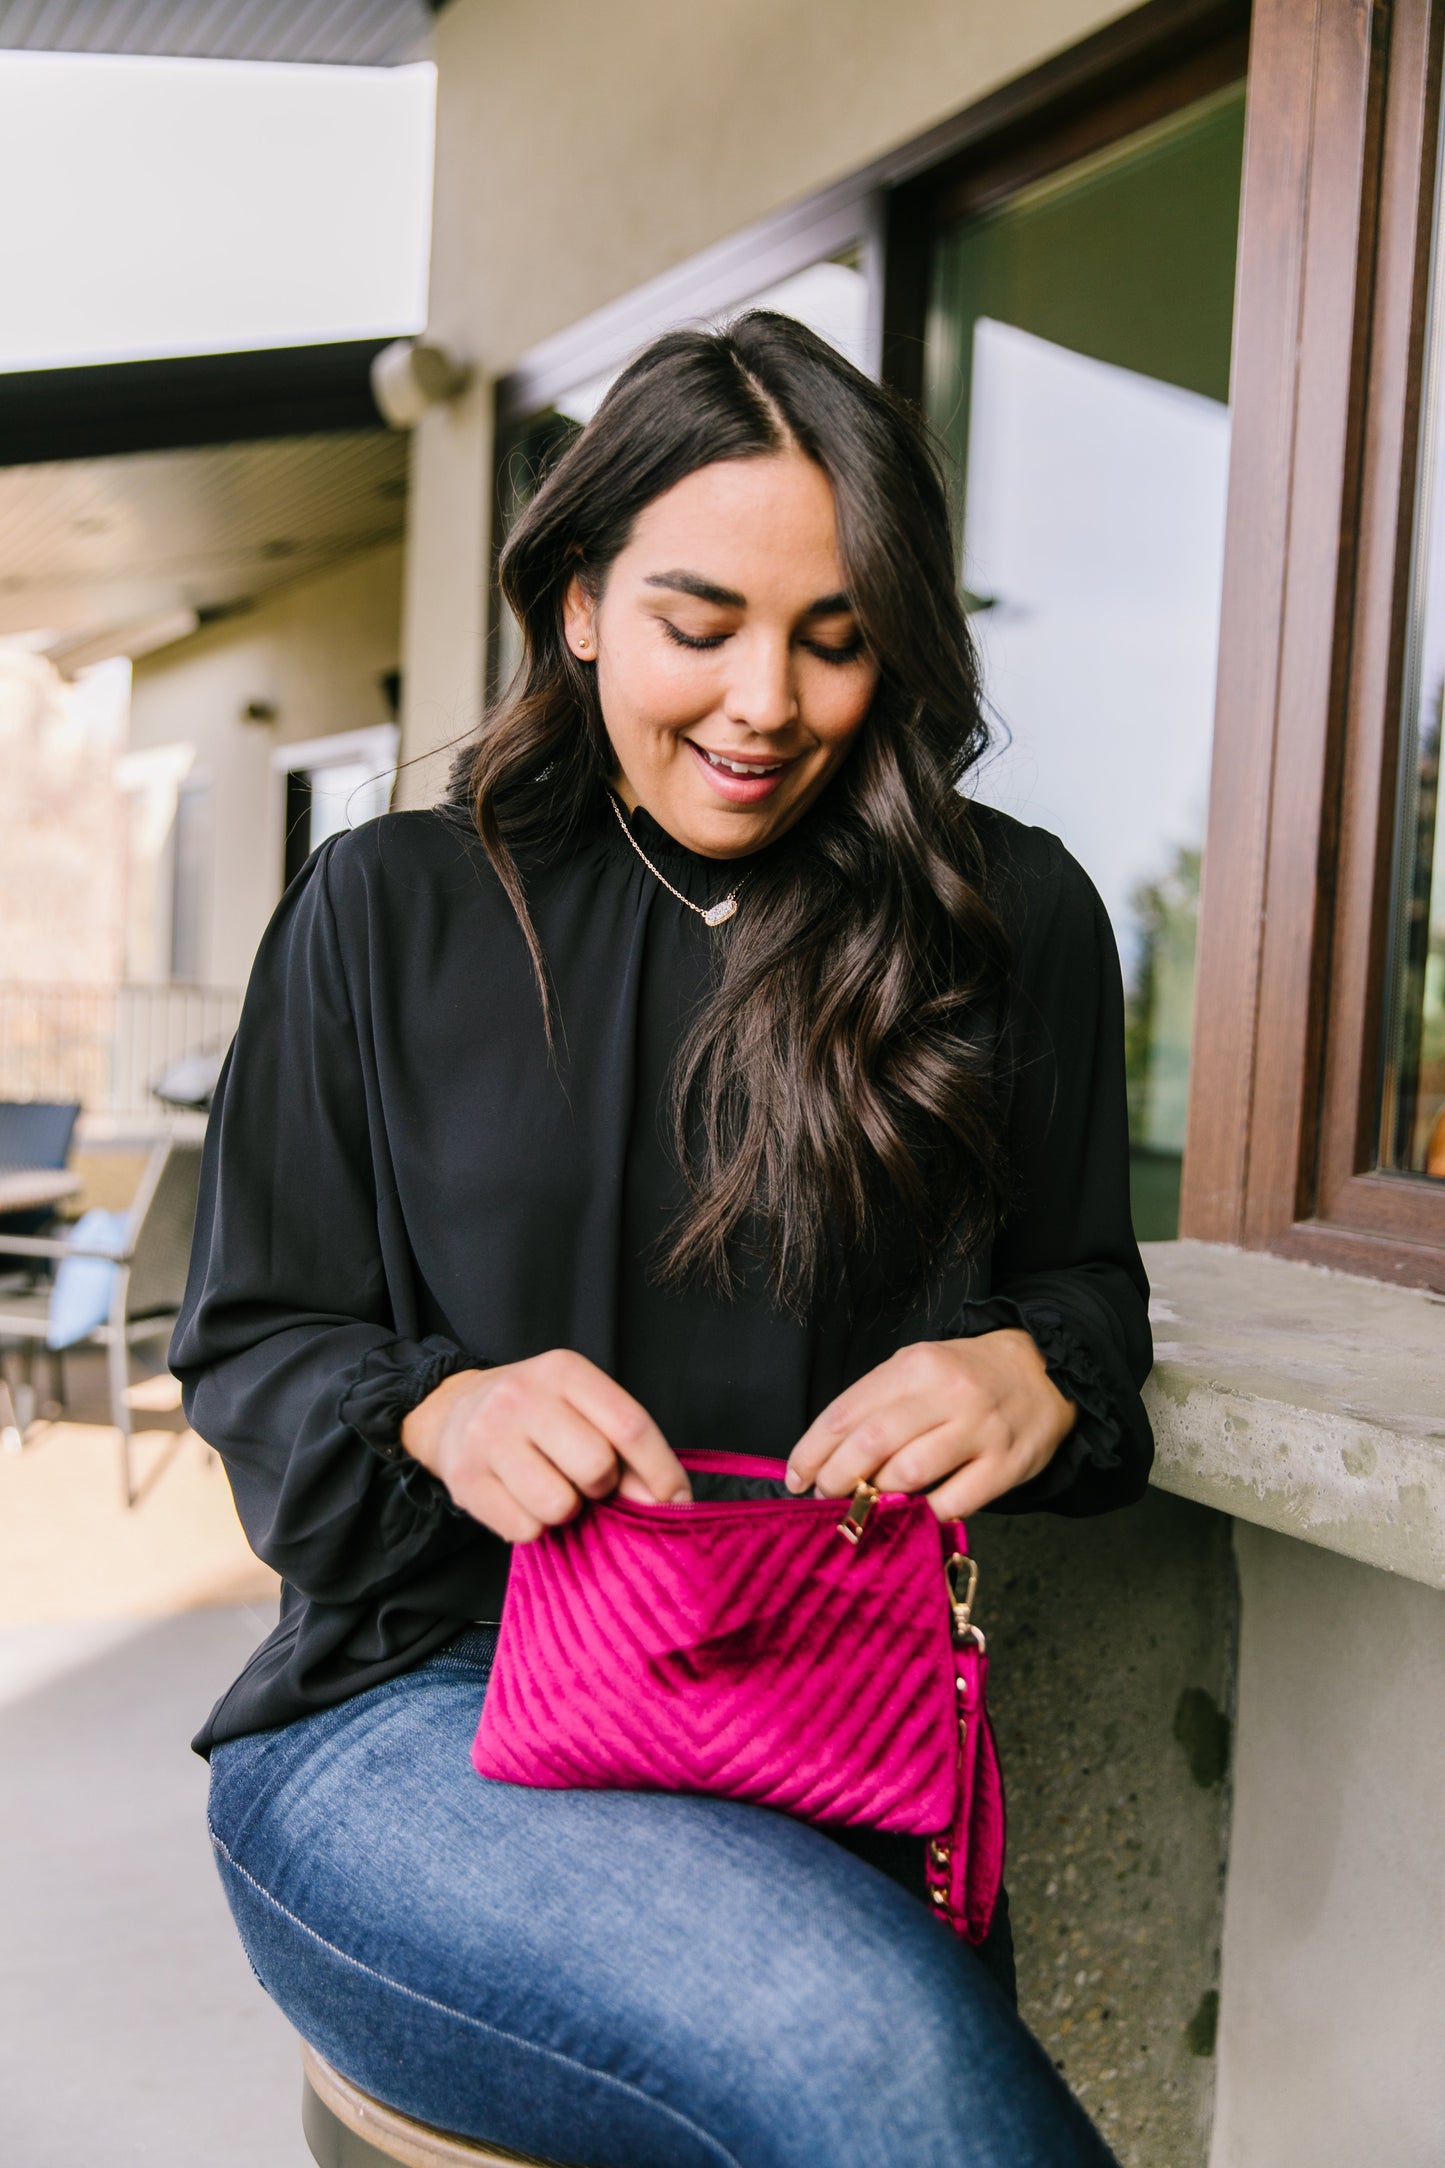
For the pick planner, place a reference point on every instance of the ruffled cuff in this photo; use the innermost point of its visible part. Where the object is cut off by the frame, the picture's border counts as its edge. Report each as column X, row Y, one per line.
column 392, row 1381
column 1098, row 1433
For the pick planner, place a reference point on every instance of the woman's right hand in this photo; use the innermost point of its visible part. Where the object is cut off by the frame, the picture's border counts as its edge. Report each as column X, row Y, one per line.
column 520, row 1447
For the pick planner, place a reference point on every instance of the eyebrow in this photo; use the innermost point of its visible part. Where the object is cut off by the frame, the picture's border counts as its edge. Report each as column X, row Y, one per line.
column 728, row 598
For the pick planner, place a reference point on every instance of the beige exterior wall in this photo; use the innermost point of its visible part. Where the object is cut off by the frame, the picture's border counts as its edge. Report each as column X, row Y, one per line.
column 315, row 653
column 1332, row 2012
column 62, row 871
column 581, row 150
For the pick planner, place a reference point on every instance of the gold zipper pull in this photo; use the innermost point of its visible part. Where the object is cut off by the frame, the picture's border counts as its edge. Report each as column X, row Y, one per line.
column 853, row 1523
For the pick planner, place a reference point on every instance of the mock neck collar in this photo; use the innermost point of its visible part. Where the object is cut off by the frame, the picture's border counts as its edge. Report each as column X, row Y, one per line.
column 700, row 878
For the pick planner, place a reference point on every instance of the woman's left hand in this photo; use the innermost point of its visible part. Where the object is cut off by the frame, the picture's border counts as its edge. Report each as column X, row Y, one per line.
column 964, row 1420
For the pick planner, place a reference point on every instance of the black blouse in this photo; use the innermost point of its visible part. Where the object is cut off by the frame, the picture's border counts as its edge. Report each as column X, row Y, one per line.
column 400, row 1181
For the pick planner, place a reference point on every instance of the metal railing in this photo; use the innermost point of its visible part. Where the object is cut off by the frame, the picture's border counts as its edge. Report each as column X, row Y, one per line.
column 105, row 1046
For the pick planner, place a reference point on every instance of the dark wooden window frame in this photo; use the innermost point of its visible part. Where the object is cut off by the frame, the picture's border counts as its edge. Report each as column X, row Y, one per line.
column 1329, row 338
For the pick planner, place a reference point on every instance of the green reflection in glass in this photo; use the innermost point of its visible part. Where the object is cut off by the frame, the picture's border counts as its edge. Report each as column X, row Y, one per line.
column 1412, row 1125
column 1077, row 371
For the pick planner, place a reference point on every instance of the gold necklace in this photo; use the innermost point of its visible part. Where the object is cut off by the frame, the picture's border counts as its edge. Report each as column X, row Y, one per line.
column 716, row 914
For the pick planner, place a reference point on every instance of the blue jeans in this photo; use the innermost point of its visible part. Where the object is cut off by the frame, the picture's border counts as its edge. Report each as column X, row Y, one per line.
column 621, row 1979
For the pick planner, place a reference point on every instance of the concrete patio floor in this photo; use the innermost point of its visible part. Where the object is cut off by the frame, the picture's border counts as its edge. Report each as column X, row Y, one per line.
column 132, row 2032
column 131, row 2029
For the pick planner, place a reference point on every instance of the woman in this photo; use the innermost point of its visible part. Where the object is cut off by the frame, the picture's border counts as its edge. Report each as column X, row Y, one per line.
column 707, row 1073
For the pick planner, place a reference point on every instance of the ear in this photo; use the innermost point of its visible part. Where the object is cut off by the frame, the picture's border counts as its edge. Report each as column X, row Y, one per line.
column 579, row 621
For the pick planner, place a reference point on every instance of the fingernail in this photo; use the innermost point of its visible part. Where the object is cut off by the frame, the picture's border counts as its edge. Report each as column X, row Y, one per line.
column 792, row 1480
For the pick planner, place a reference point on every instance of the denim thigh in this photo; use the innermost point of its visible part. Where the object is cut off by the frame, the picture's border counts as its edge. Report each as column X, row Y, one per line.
column 617, row 1979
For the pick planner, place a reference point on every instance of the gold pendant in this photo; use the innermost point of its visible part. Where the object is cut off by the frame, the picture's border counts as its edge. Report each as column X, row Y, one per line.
column 720, row 912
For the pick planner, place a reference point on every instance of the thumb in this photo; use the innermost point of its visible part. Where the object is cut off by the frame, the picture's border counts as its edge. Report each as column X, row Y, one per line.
column 633, row 1486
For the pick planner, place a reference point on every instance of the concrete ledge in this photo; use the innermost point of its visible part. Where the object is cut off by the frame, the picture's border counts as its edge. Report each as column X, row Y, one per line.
column 1305, row 1400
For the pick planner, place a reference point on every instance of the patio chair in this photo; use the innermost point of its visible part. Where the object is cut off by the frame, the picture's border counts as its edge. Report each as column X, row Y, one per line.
column 34, row 1133
column 346, row 2128
column 150, row 1277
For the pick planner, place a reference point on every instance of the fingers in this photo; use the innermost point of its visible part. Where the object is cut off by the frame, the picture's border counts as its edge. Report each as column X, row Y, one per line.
column 963, row 1421
column 972, row 1487
column 522, row 1446
column 913, row 1392
column 573, row 1445
column 489, row 1501
column 932, row 1456
column 886, row 1437
column 827, row 1431
column 534, row 1482
column 622, row 1421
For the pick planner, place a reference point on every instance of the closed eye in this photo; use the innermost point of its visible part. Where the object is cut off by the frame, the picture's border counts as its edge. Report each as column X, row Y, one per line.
column 688, row 639
column 823, row 649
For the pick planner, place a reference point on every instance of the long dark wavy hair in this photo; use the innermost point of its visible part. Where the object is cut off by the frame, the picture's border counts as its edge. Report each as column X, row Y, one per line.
column 842, row 1078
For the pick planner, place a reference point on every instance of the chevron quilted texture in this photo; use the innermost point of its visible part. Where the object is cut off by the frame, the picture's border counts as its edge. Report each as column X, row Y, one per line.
column 737, row 1648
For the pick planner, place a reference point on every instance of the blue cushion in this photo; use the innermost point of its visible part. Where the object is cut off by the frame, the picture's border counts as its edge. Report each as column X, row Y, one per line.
column 80, row 1298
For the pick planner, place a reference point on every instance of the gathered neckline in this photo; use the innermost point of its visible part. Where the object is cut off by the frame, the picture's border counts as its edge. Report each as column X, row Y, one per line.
column 718, row 874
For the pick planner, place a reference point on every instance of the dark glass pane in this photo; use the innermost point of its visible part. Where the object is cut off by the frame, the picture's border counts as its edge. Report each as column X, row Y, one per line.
column 298, row 821
column 528, row 454
column 1412, row 1127
column 1077, row 369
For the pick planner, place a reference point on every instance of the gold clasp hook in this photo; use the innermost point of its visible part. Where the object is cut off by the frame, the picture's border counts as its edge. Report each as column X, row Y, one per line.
column 962, row 1606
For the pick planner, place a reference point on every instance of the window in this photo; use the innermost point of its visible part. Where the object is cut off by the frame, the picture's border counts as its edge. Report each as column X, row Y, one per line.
column 1317, row 1088
column 1412, row 1114
column 329, row 784
column 1076, row 366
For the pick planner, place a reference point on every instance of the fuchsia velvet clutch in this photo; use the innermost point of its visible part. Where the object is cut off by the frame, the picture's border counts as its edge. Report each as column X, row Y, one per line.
column 807, row 1654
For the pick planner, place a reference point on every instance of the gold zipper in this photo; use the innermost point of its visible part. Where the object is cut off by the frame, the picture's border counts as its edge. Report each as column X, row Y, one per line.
column 855, row 1520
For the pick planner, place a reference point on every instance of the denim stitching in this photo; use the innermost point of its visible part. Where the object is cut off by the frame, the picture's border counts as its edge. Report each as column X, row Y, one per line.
column 726, row 2159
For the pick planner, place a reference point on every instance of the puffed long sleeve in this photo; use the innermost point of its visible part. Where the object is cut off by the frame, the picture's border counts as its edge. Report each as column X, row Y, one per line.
column 1066, row 1265
column 299, row 1345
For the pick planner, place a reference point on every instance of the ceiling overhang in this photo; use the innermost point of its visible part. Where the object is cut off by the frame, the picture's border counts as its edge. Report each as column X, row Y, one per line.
column 339, row 33
column 128, row 554
column 104, row 408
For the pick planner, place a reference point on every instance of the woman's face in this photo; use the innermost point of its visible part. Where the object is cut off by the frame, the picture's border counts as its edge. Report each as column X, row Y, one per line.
column 730, row 668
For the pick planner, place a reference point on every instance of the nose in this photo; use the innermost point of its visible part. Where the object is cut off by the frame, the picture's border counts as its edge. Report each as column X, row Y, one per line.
column 761, row 692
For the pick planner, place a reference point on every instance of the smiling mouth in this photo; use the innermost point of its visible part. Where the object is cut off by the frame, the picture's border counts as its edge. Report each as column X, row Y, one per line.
column 747, row 768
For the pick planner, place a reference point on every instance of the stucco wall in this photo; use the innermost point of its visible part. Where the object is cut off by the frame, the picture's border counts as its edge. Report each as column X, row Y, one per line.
column 581, row 150
column 1111, row 1646
column 315, row 653
column 1333, row 1991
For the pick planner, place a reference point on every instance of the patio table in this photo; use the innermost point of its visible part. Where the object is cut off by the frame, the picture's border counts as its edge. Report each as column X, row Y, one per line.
column 28, row 1189
column 25, row 1189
